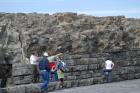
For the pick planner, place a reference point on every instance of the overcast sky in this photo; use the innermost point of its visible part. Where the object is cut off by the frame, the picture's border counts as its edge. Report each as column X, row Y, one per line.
column 128, row 8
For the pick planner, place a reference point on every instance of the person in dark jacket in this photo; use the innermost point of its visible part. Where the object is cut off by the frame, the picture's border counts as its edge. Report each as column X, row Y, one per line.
column 44, row 72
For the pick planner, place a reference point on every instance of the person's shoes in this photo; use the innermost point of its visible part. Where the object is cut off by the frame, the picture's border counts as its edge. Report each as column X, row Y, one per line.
column 44, row 91
column 60, row 87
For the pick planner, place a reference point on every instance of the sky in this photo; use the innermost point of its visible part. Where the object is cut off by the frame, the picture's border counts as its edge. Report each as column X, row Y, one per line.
column 128, row 8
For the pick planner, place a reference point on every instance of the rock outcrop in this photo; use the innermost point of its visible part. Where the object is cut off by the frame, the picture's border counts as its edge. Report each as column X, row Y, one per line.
column 85, row 41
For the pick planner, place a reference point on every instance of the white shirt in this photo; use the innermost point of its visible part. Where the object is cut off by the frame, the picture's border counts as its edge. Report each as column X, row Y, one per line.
column 108, row 64
column 33, row 59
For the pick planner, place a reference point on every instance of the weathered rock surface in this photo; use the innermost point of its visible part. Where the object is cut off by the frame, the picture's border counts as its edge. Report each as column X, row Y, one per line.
column 86, row 42
column 23, row 33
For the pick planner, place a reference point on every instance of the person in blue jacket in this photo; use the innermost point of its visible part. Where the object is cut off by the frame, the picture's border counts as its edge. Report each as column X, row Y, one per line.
column 44, row 72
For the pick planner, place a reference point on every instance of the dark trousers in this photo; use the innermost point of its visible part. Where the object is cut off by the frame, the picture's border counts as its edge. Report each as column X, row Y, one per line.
column 3, row 82
column 108, row 74
column 35, row 74
column 54, row 76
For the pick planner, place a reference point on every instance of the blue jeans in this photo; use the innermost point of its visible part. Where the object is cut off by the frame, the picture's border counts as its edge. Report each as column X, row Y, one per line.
column 45, row 78
column 108, row 74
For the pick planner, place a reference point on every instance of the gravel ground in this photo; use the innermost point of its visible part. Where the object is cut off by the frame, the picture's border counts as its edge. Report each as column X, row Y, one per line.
column 130, row 86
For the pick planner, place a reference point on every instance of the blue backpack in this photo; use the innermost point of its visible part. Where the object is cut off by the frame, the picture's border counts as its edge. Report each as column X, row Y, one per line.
column 62, row 66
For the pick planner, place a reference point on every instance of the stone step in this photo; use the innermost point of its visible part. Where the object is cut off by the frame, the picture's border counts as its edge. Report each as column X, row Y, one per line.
column 35, row 87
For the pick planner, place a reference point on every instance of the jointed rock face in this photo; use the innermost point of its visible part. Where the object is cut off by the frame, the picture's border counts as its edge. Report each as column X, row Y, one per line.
column 85, row 41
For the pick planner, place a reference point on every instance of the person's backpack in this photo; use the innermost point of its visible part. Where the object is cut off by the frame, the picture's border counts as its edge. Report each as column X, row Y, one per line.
column 62, row 66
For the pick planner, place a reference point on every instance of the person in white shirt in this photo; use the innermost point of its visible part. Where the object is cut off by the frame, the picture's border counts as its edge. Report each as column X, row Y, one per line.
column 108, row 70
column 34, row 61
column 109, row 65
column 34, row 58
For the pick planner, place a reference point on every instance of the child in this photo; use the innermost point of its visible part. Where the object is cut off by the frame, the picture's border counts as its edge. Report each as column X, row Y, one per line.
column 60, row 70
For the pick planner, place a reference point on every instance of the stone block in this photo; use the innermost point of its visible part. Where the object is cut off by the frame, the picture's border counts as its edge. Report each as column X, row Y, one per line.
column 126, row 70
column 33, row 88
column 22, row 65
column 74, row 83
column 71, row 78
column 85, row 82
column 70, row 62
column 97, row 74
column 16, row 89
column 81, row 61
column 98, row 80
column 137, row 75
column 23, row 80
column 67, row 84
column 93, row 66
column 22, row 71
column 81, row 67
column 84, row 76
